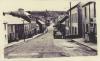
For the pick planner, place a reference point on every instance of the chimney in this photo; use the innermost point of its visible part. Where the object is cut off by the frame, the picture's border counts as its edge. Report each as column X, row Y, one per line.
column 21, row 11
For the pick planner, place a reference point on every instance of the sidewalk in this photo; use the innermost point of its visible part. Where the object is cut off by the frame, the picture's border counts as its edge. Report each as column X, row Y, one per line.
column 13, row 43
column 90, row 45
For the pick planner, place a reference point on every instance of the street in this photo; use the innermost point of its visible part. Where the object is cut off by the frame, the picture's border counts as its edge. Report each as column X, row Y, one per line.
column 46, row 46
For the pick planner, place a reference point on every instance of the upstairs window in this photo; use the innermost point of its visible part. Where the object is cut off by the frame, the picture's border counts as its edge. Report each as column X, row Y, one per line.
column 85, row 12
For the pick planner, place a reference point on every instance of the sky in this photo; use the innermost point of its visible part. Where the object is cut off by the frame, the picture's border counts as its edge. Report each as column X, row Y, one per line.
column 34, row 5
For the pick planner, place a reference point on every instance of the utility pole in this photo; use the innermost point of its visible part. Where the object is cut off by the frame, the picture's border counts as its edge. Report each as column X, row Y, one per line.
column 23, row 30
column 70, row 18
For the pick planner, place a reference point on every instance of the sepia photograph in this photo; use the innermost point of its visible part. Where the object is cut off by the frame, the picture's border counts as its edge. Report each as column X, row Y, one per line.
column 49, row 28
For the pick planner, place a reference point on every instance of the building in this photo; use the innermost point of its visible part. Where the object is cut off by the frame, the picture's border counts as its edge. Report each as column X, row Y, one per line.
column 82, row 21
column 89, row 23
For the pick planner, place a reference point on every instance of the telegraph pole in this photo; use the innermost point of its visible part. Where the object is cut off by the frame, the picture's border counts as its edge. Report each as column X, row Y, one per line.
column 23, row 31
column 70, row 18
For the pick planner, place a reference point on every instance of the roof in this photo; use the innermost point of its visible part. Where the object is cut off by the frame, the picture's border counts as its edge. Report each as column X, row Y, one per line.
column 82, row 5
column 41, row 22
column 17, row 14
column 88, row 3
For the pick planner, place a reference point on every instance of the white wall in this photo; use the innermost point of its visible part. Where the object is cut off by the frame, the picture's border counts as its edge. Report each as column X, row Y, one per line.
column 9, row 20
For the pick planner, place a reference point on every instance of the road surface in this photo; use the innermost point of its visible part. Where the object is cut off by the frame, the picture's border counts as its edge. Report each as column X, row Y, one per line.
column 46, row 46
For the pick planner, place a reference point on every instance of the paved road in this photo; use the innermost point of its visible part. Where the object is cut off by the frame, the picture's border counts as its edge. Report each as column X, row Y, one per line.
column 47, row 46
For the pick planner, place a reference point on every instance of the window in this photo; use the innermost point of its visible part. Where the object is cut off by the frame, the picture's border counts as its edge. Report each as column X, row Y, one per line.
column 5, row 26
column 91, row 24
column 95, row 28
column 94, row 9
column 91, row 19
column 11, row 28
column 72, row 30
column 75, row 30
column 86, row 27
column 85, row 12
